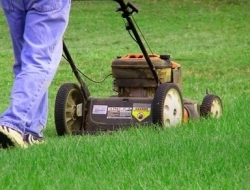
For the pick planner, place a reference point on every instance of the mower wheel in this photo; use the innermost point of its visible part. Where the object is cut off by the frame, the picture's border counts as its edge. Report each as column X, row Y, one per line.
column 66, row 120
column 211, row 106
column 167, row 105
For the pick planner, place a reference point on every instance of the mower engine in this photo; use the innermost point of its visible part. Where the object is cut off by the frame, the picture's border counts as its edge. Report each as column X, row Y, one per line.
column 133, row 77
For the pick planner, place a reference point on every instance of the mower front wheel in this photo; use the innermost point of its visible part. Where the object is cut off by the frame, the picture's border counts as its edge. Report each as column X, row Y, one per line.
column 167, row 105
column 66, row 120
column 211, row 106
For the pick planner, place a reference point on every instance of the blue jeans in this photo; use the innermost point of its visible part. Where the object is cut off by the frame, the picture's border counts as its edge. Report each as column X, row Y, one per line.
column 36, row 28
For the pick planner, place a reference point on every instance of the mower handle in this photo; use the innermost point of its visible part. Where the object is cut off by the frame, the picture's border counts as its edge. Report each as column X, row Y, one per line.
column 130, row 26
column 123, row 5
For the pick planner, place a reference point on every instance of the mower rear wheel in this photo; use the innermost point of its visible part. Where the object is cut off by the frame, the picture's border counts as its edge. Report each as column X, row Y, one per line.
column 211, row 106
column 167, row 105
column 66, row 120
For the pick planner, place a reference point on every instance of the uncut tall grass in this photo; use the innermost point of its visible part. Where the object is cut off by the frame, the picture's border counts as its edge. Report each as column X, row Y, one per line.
column 210, row 39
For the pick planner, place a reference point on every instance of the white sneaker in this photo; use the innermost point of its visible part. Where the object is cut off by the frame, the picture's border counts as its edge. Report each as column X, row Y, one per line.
column 30, row 139
column 9, row 138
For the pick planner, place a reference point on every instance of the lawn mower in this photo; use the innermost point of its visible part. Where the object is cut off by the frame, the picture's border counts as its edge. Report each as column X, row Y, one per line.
column 148, row 91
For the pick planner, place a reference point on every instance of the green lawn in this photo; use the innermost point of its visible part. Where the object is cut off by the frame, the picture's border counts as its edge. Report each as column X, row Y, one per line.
column 210, row 39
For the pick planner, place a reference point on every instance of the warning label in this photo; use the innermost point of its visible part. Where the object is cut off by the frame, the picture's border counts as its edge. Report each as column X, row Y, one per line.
column 141, row 111
column 119, row 113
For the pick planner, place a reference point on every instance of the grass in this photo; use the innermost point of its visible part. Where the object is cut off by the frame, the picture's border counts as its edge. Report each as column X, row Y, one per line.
column 210, row 39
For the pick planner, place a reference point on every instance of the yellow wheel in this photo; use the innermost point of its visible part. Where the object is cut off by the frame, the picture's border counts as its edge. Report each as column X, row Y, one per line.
column 167, row 105
column 66, row 120
column 211, row 106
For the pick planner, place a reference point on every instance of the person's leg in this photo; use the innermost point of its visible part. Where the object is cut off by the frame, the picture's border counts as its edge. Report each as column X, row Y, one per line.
column 15, row 16
column 17, row 25
column 45, row 24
